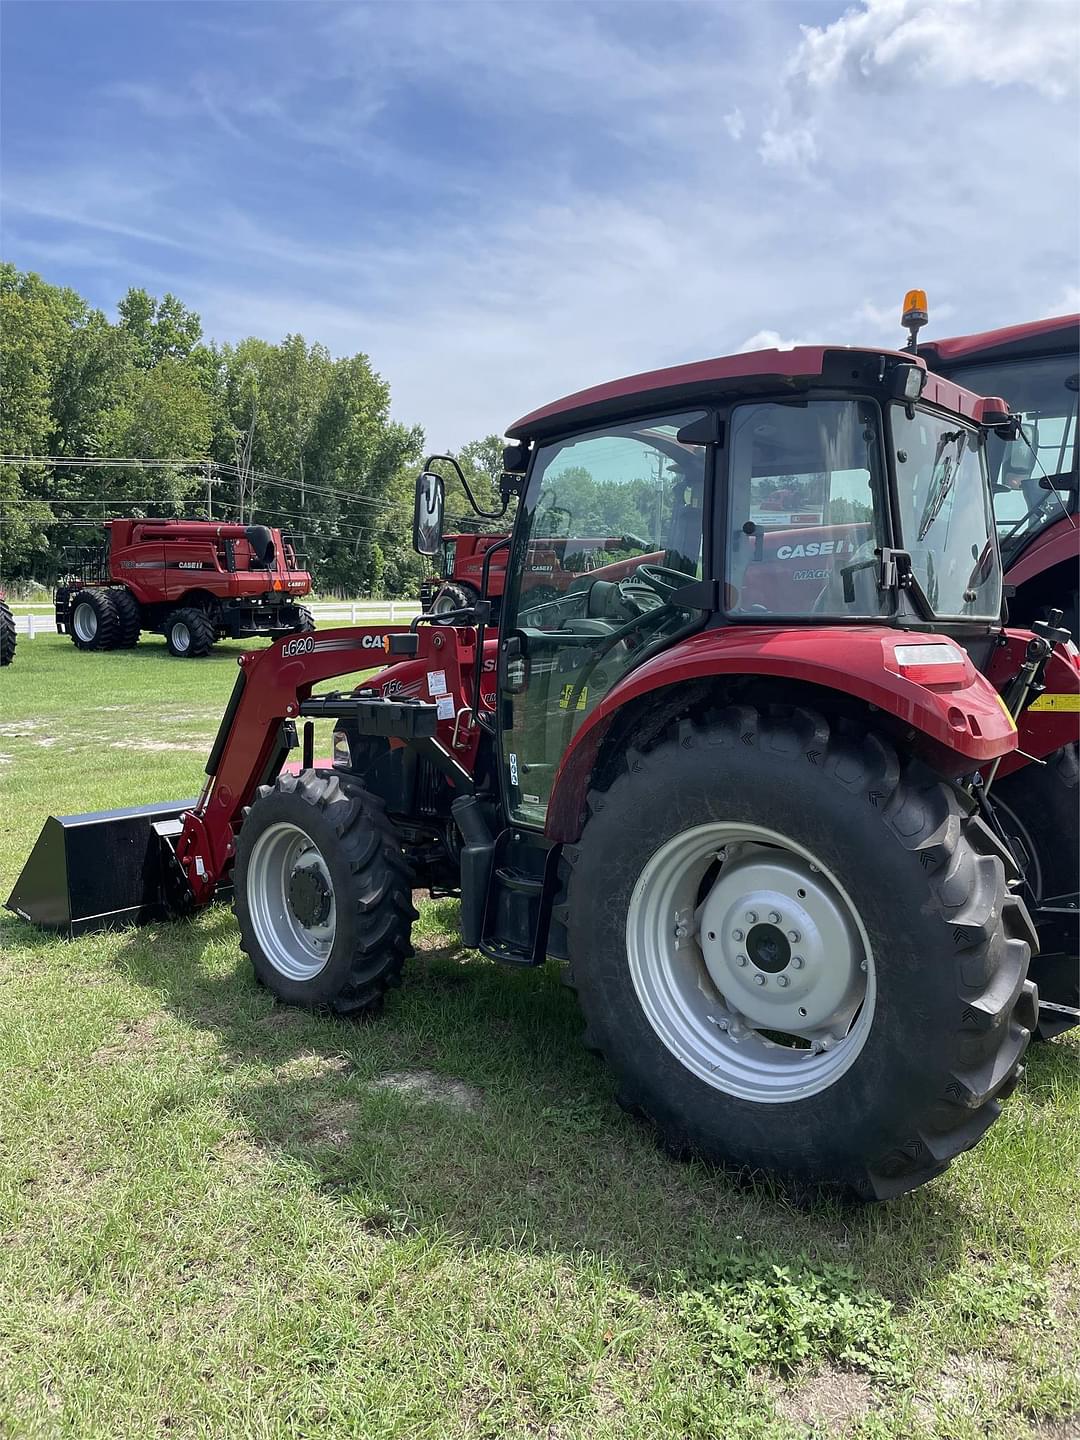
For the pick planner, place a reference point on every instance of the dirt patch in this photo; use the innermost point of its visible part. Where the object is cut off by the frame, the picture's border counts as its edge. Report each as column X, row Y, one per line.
column 1057, row 1429
column 829, row 1401
column 963, row 1373
column 156, row 745
column 311, row 1066
column 430, row 1089
column 333, row 1125
column 137, row 1037
column 20, row 729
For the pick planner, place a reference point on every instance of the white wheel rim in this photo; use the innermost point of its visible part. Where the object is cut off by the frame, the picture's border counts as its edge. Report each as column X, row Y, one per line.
column 295, row 944
column 85, row 621
column 748, row 1010
column 181, row 636
column 443, row 603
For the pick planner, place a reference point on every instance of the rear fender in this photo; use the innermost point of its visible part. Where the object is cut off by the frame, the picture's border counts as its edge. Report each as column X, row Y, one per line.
column 1052, row 719
column 955, row 713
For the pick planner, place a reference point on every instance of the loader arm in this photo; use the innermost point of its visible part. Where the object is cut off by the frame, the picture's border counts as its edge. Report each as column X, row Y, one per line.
column 272, row 692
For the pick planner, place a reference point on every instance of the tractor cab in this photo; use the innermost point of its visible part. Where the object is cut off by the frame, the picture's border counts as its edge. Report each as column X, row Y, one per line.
column 817, row 488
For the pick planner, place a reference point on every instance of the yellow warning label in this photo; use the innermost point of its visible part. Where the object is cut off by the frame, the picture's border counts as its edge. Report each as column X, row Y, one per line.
column 1061, row 703
column 567, row 694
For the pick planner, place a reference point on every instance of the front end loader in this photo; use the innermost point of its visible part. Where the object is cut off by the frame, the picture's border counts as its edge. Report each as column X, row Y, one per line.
column 740, row 778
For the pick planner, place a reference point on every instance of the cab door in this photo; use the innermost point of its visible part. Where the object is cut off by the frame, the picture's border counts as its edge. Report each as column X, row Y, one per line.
column 610, row 532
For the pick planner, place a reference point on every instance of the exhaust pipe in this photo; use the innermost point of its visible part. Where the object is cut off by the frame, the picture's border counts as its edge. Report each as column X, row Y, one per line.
column 103, row 870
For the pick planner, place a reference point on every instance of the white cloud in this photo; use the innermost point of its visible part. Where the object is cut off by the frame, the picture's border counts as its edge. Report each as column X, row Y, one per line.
column 885, row 47
column 735, row 123
column 946, row 42
column 769, row 340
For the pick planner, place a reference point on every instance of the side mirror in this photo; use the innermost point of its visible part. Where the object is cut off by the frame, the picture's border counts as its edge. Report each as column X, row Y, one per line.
column 428, row 513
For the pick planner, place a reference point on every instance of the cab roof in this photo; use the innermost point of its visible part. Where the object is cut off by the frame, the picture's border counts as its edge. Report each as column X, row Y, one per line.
column 1057, row 334
column 756, row 370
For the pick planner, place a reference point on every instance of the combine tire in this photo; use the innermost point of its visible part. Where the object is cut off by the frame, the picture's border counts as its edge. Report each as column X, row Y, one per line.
column 7, row 634
column 799, row 953
column 95, row 624
column 322, row 894
column 304, row 619
column 454, row 597
column 1037, row 807
column 129, row 618
column 189, row 634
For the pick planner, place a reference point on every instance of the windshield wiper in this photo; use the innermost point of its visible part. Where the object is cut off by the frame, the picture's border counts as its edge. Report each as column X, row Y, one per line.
column 949, row 470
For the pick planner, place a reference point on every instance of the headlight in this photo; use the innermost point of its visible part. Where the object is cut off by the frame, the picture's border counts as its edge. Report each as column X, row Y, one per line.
column 342, row 752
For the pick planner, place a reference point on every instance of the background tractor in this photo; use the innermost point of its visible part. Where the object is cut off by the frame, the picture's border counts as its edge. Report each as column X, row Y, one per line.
column 751, row 806
column 1037, row 368
column 193, row 580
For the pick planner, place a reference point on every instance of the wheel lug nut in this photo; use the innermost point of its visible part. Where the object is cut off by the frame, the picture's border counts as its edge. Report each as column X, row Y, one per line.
column 782, row 981
column 797, row 962
column 736, row 934
column 751, row 917
column 759, row 979
column 774, row 917
column 740, row 959
column 793, row 936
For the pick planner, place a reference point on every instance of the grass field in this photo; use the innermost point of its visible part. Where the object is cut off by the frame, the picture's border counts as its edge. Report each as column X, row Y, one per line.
column 220, row 1217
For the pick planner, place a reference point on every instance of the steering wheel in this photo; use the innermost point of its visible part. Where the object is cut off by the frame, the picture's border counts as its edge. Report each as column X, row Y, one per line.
column 662, row 580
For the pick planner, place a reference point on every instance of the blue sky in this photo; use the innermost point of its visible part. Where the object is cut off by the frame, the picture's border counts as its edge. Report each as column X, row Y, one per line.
column 501, row 203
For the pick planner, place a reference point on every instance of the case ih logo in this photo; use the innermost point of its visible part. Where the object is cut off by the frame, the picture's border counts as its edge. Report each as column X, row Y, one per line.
column 191, row 565
column 302, row 645
column 372, row 642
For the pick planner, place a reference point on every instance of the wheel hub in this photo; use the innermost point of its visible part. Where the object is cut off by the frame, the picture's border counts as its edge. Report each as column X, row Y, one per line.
column 778, row 945
column 309, row 896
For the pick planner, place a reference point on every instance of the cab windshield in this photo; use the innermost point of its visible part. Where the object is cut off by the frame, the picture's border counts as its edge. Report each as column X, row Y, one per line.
column 1043, row 392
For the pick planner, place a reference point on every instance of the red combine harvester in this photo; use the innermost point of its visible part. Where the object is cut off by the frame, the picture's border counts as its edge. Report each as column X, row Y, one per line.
column 756, row 814
column 193, row 580
column 1036, row 367
column 463, row 557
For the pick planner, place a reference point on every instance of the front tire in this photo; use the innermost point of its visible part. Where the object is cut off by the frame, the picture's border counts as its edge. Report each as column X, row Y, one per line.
column 7, row 634
column 129, row 619
column 304, row 620
column 454, row 597
column 95, row 624
column 189, row 634
column 1037, row 808
column 323, row 894
column 868, row 861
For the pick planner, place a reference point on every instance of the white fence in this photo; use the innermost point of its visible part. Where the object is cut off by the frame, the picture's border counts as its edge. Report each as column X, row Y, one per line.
column 31, row 619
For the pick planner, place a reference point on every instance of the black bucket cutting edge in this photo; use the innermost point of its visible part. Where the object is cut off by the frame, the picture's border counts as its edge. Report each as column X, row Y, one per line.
column 99, row 871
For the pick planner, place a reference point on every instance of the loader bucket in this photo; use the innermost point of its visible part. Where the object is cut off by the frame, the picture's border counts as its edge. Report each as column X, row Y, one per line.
column 99, row 871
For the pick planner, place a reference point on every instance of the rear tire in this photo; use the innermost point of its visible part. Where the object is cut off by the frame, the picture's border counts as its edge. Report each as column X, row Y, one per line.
column 7, row 634
column 189, row 634
column 323, row 894
column 305, row 620
column 129, row 619
column 905, row 882
column 1038, row 809
column 95, row 624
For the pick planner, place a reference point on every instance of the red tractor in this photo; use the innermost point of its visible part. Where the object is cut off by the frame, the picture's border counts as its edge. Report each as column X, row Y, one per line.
column 7, row 631
column 762, row 834
column 192, row 580
column 1037, row 368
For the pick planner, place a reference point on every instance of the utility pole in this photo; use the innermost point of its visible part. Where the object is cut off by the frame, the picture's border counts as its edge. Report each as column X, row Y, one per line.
column 209, row 494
